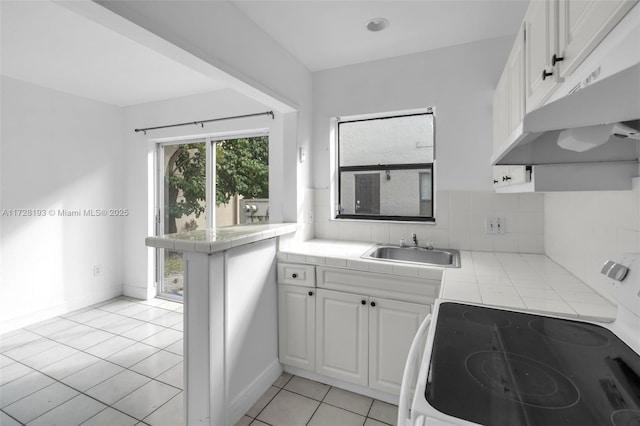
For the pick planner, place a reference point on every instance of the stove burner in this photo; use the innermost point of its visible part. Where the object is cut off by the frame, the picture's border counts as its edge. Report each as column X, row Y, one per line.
column 569, row 332
column 522, row 379
column 626, row 418
column 490, row 318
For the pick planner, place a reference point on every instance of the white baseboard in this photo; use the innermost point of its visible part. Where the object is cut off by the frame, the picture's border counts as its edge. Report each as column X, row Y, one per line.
column 252, row 393
column 362, row 390
column 138, row 292
column 63, row 308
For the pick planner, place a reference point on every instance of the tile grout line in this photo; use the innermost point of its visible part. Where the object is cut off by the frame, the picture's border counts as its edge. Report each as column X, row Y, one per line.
column 97, row 384
column 271, row 400
column 100, row 358
column 179, row 394
column 150, row 379
column 10, row 416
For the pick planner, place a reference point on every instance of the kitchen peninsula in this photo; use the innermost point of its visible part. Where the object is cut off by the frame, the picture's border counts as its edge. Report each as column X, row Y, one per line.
column 230, row 317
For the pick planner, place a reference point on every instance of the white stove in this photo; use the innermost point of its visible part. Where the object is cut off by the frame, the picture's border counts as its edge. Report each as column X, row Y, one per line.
column 482, row 365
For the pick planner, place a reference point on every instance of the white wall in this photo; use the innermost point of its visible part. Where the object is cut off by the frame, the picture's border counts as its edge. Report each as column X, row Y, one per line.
column 59, row 152
column 139, row 165
column 459, row 82
column 585, row 229
column 221, row 35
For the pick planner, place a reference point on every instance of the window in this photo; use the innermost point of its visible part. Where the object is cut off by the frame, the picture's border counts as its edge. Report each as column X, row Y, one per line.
column 385, row 167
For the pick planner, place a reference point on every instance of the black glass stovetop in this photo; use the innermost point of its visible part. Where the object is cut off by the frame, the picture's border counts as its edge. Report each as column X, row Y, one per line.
column 497, row 367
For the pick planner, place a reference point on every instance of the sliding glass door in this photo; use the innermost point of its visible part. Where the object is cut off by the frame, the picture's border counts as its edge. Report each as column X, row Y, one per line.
column 203, row 184
column 183, row 204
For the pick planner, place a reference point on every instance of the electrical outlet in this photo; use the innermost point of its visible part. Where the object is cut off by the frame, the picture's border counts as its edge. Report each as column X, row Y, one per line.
column 97, row 270
column 495, row 226
column 491, row 227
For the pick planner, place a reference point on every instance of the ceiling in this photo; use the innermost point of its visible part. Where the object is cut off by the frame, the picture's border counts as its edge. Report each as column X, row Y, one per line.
column 49, row 45
column 326, row 34
column 53, row 46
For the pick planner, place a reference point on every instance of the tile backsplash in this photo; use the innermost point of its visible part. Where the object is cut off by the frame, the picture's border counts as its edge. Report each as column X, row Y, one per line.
column 584, row 229
column 460, row 222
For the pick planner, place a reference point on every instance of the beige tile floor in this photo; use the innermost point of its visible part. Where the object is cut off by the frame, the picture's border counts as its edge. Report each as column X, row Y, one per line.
column 294, row 400
column 119, row 363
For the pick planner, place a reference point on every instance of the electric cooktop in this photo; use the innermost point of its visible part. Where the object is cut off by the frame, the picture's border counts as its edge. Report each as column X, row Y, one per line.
column 497, row 367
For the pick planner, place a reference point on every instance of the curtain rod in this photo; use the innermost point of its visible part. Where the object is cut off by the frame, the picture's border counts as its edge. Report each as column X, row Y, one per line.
column 201, row 122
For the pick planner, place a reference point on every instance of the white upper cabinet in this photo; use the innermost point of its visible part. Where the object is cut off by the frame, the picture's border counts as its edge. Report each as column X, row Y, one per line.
column 540, row 46
column 508, row 111
column 555, row 39
column 515, row 70
column 582, row 25
column 501, row 112
column 508, row 100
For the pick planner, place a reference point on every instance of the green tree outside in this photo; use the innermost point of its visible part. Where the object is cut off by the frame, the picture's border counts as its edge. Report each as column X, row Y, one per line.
column 242, row 168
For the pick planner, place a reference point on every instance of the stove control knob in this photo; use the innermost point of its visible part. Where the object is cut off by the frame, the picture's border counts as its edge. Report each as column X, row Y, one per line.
column 614, row 270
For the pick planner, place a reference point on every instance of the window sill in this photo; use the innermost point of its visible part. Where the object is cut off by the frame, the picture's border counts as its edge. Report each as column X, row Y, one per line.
column 386, row 219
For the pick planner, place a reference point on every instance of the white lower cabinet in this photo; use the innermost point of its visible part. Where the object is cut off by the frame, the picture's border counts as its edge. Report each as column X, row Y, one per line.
column 365, row 340
column 392, row 327
column 297, row 324
column 342, row 339
column 356, row 330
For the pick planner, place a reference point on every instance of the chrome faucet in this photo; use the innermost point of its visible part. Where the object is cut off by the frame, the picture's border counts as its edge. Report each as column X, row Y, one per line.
column 414, row 237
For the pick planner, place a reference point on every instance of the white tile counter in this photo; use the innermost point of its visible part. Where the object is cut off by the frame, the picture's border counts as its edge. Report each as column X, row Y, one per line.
column 520, row 281
column 346, row 254
column 220, row 239
column 524, row 281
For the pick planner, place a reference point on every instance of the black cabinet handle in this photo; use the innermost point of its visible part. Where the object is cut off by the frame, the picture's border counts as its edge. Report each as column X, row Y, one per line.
column 555, row 59
column 294, row 275
column 310, row 293
column 364, row 302
column 546, row 74
column 506, row 178
column 495, row 181
column 373, row 304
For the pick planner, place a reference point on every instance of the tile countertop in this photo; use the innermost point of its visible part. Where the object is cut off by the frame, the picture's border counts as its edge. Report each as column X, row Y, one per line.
column 530, row 282
column 220, row 239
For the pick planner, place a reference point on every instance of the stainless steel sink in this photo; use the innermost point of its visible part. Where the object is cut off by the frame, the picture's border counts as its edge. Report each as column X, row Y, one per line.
column 449, row 258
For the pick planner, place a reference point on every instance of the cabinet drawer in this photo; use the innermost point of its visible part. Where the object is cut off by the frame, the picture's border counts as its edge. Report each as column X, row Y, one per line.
column 297, row 274
column 410, row 289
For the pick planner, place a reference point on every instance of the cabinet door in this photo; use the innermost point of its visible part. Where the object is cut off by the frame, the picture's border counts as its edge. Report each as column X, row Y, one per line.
column 515, row 73
column 342, row 336
column 509, row 97
column 582, row 25
column 392, row 327
column 296, row 325
column 540, row 45
column 501, row 113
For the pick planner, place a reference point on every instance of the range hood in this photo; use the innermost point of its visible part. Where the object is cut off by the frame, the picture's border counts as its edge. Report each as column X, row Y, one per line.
column 611, row 105
column 600, row 99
